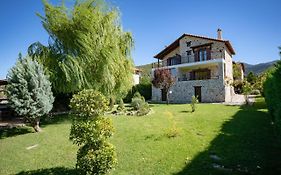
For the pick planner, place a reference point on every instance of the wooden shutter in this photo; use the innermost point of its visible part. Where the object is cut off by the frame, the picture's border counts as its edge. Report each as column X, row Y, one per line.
column 196, row 55
column 192, row 75
column 208, row 53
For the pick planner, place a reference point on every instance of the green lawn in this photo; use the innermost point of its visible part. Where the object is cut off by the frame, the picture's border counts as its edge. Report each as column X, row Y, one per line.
column 241, row 136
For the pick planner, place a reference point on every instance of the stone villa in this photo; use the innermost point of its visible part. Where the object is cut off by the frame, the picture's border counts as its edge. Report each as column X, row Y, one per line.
column 202, row 67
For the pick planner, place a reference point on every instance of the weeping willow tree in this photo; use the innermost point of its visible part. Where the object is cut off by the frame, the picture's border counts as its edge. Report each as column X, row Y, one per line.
column 87, row 48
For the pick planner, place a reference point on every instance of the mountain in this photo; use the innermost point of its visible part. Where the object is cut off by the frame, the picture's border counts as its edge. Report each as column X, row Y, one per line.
column 255, row 68
column 258, row 68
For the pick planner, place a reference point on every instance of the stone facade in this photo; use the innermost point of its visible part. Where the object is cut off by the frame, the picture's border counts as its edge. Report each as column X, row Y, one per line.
column 213, row 90
column 217, row 88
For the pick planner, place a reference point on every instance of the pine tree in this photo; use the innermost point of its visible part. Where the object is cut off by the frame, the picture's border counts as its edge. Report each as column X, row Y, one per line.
column 29, row 91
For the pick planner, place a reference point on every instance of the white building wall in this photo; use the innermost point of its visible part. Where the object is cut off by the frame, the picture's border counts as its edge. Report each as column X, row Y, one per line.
column 136, row 79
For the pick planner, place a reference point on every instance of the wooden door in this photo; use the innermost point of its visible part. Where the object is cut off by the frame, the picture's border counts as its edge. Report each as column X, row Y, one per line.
column 197, row 92
column 163, row 95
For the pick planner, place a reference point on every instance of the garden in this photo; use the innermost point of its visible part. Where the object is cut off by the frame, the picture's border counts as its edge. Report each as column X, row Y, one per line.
column 215, row 139
column 70, row 94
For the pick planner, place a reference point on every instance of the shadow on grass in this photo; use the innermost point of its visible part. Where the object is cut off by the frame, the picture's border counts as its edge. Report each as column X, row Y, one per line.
column 6, row 132
column 185, row 111
column 246, row 144
column 154, row 137
column 51, row 171
column 11, row 132
column 55, row 119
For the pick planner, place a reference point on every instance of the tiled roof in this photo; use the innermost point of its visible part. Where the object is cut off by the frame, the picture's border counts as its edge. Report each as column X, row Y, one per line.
column 176, row 43
column 3, row 82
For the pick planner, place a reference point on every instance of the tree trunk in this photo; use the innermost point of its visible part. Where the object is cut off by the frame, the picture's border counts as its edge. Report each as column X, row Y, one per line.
column 36, row 125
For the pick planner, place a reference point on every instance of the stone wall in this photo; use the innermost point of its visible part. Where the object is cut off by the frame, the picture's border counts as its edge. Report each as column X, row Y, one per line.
column 212, row 90
column 217, row 47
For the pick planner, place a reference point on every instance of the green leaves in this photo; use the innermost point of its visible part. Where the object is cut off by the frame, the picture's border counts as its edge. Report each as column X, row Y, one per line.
column 194, row 101
column 272, row 93
column 89, row 103
column 90, row 130
column 88, row 49
column 96, row 160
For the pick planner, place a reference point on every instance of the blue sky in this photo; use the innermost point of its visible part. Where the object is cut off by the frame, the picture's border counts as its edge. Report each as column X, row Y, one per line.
column 253, row 27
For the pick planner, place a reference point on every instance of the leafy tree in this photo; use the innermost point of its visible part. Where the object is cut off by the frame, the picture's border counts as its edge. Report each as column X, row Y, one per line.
column 91, row 131
column 144, row 88
column 87, row 48
column 251, row 78
column 237, row 71
column 247, row 88
column 258, row 85
column 29, row 91
column 163, row 79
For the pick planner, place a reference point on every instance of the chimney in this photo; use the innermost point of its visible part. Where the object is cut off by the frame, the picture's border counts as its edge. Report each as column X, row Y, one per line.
column 219, row 34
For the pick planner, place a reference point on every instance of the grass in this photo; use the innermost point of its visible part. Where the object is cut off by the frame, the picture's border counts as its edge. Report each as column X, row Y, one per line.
column 242, row 137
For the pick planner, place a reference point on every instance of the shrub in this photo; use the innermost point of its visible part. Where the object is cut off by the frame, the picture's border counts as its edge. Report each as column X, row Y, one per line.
column 247, row 88
column 138, row 95
column 91, row 130
column 194, row 101
column 89, row 103
column 96, row 160
column 255, row 92
column 238, row 86
column 174, row 130
column 143, row 109
column 29, row 91
column 137, row 103
column 144, row 88
column 272, row 92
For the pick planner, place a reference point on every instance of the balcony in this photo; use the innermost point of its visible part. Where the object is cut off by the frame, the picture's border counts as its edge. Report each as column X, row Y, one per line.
column 192, row 79
column 178, row 60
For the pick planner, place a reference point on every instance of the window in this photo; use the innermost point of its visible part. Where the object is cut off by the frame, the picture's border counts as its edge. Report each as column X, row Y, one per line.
column 203, row 55
column 202, row 74
column 188, row 52
column 174, row 60
column 188, row 43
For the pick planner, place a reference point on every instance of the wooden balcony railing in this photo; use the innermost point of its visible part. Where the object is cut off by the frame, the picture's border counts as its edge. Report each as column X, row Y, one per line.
column 192, row 79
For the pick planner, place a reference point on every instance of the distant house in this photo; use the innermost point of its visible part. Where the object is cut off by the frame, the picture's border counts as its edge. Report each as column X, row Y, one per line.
column 202, row 67
column 136, row 76
column 3, row 98
column 4, row 110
